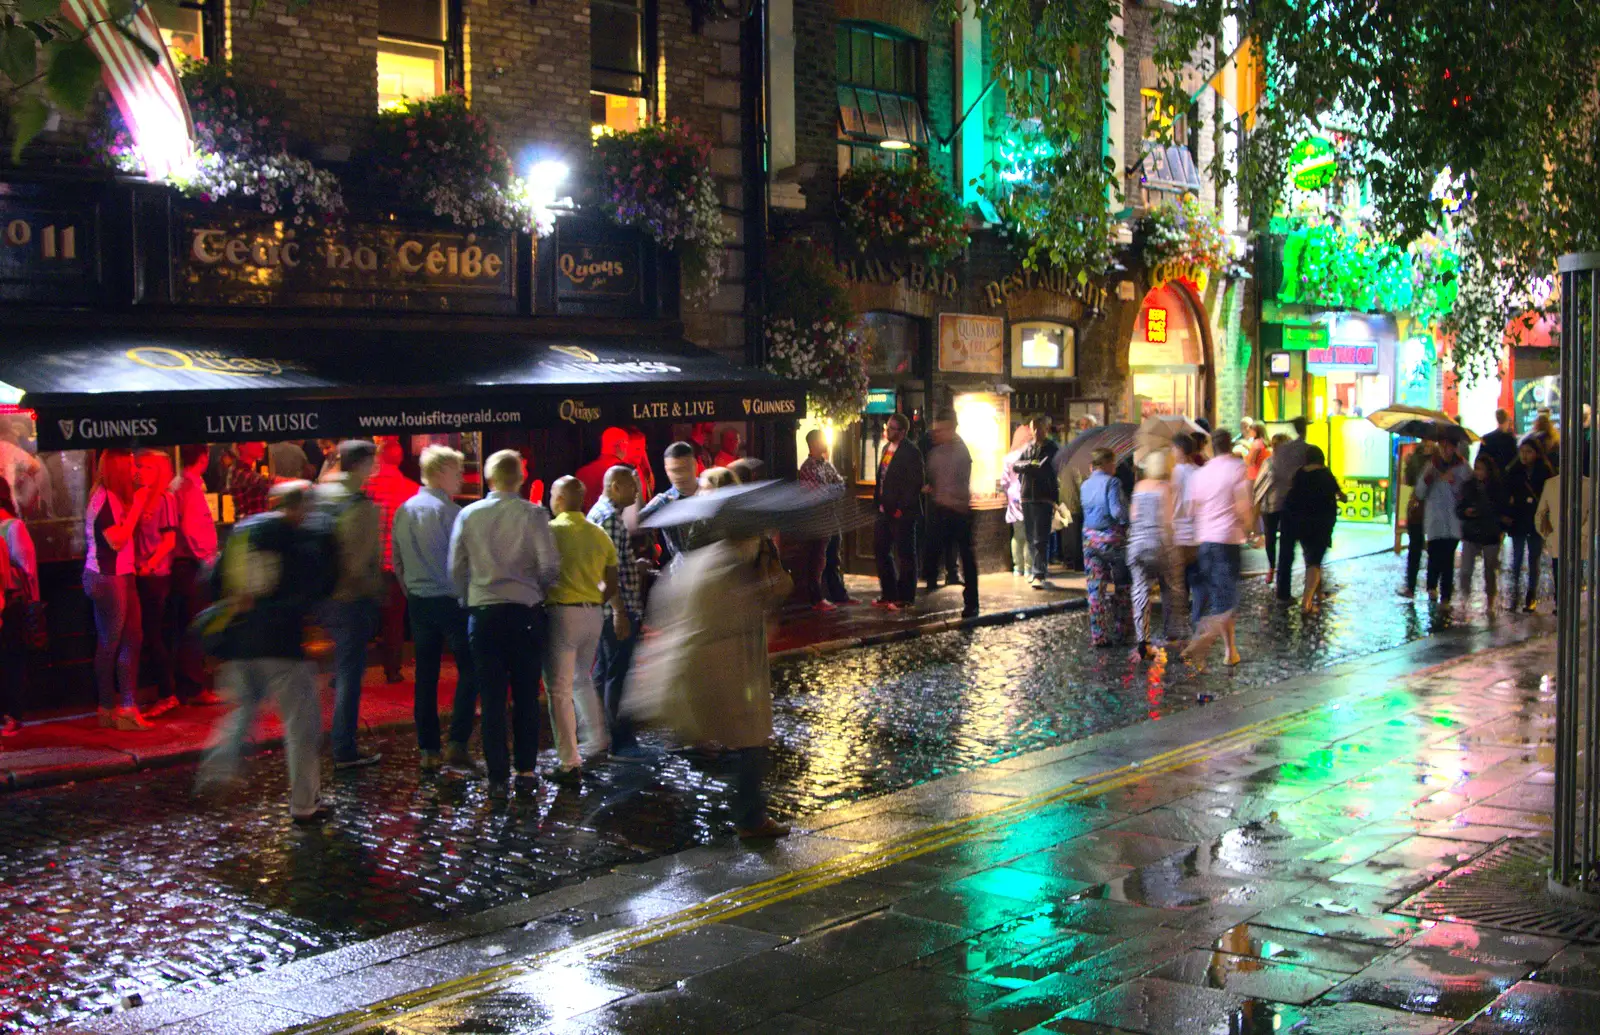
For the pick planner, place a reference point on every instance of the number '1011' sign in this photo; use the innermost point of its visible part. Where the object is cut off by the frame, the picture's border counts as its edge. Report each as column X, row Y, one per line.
column 48, row 250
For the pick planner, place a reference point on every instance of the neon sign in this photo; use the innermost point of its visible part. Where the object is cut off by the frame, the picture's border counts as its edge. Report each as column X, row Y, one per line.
column 1155, row 325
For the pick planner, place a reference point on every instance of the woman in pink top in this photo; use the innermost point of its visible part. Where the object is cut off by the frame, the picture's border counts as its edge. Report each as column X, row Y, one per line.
column 1219, row 498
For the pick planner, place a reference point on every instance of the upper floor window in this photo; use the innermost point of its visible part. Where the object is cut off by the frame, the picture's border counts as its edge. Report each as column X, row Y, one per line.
column 880, row 79
column 191, row 28
column 418, row 49
column 1168, row 167
column 619, row 63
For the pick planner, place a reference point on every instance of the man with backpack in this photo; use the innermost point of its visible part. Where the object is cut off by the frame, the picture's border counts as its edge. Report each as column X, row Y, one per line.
column 350, row 614
column 274, row 570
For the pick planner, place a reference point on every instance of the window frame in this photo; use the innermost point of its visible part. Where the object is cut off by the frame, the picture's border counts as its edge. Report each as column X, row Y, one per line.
column 649, row 54
column 911, row 108
column 452, row 44
column 213, row 27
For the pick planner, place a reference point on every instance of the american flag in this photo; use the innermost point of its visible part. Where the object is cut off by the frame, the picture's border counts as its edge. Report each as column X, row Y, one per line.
column 146, row 92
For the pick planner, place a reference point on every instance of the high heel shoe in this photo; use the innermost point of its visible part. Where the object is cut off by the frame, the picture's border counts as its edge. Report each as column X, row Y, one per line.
column 130, row 719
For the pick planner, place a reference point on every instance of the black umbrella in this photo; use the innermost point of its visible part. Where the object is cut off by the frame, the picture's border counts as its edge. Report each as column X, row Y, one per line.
column 1416, row 422
column 788, row 508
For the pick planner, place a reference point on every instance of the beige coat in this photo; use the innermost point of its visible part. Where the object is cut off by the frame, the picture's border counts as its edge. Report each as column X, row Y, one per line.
column 1547, row 518
column 703, row 670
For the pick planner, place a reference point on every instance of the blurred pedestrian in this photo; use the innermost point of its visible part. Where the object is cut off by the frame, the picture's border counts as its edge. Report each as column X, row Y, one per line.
column 1480, row 506
column 1524, row 486
column 19, row 593
column 194, row 548
column 1501, row 443
column 1548, row 438
column 1149, row 546
column 949, row 492
column 683, row 477
column 587, row 581
column 154, row 539
column 421, row 550
column 1439, row 487
column 1184, row 577
column 1069, row 512
column 747, row 469
column 617, row 647
column 731, row 449
column 1220, row 496
column 709, row 676
column 389, row 489
column 638, row 458
column 1039, row 492
column 1416, row 532
column 1286, row 460
column 275, row 570
column 350, row 613
column 714, row 478
column 614, row 447
column 822, row 582
column 110, row 521
column 1010, row 483
column 897, row 494
column 243, row 479
column 1310, row 510
column 1547, row 519
column 1256, row 450
column 503, row 559
column 1105, row 538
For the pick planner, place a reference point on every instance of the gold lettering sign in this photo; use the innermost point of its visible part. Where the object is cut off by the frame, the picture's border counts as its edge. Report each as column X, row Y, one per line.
column 913, row 276
column 1189, row 272
column 1089, row 291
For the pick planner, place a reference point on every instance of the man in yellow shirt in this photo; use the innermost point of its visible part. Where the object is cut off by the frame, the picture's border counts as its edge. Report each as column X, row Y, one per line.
column 588, row 579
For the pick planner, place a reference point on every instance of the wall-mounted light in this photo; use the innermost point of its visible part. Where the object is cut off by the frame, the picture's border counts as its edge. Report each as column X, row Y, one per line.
column 895, row 145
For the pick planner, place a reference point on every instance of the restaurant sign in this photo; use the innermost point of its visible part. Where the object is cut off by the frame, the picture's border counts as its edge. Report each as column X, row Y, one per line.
column 971, row 344
column 1090, row 292
column 245, row 259
column 49, row 244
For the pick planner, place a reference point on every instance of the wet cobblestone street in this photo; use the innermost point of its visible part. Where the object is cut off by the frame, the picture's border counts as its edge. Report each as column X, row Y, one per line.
column 132, row 885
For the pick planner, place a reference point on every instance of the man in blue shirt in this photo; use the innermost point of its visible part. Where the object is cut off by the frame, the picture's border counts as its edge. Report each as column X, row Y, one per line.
column 421, row 538
column 503, row 558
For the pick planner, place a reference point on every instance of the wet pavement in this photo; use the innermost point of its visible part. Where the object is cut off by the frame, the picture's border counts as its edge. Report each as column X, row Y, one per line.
column 130, row 886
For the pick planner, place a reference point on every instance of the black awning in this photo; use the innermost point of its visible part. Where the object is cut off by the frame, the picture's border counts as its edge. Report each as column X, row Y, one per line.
column 103, row 388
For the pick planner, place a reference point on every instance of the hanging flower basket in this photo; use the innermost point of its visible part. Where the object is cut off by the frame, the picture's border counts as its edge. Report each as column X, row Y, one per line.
column 808, row 330
column 438, row 154
column 241, row 141
column 908, row 209
column 1187, row 240
column 658, row 179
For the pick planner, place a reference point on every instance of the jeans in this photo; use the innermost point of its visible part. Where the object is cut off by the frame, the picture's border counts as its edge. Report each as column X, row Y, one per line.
column 507, row 642
column 1272, row 523
column 1416, row 546
column 436, row 622
column 1470, row 552
column 1442, row 567
column 1037, row 517
column 118, row 629
column 1285, row 564
column 392, row 627
column 351, row 623
column 1219, row 572
column 611, row 672
column 291, row 683
column 569, row 681
column 1533, row 544
column 953, row 529
column 894, row 543
column 187, row 596
column 153, row 592
column 749, row 800
column 1019, row 546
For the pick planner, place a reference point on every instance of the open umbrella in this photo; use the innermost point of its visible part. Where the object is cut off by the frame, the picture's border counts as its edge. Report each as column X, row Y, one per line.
column 770, row 506
column 1157, row 431
column 1116, row 437
column 1417, row 422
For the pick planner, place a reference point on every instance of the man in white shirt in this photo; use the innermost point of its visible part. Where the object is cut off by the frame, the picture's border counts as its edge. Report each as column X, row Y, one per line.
column 502, row 560
column 421, row 544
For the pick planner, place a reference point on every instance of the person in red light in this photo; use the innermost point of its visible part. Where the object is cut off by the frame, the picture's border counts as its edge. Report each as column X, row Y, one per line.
column 613, row 451
column 389, row 489
column 245, row 481
column 730, row 451
column 700, row 438
column 639, row 459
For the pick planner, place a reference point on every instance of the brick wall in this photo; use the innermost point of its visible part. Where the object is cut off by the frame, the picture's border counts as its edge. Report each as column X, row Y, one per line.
column 322, row 56
column 528, row 71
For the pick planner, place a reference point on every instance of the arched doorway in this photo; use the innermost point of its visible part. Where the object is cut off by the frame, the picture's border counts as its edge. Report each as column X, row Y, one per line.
column 1168, row 356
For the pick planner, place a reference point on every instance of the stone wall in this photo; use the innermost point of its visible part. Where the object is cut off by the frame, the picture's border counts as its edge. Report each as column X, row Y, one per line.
column 323, row 57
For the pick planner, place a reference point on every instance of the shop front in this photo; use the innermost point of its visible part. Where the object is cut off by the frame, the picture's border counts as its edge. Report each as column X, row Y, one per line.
column 1167, row 355
column 152, row 324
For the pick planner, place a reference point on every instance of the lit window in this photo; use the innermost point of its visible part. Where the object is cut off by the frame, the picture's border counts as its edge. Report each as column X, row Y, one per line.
column 184, row 28
column 618, row 63
column 881, row 116
column 1043, row 349
column 414, row 50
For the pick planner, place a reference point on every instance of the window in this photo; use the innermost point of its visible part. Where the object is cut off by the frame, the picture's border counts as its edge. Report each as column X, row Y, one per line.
column 1169, row 166
column 881, row 115
column 1043, row 349
column 619, row 63
column 191, row 29
column 418, row 49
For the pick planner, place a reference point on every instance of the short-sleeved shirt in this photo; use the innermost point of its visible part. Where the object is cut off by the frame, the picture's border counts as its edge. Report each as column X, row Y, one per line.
column 586, row 552
column 160, row 517
column 103, row 513
column 1212, row 491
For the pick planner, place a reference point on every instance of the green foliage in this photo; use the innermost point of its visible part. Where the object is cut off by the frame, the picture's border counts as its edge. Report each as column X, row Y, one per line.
column 1188, row 233
column 807, row 324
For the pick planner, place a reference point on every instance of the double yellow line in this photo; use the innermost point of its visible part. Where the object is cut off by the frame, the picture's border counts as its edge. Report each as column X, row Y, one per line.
column 854, row 863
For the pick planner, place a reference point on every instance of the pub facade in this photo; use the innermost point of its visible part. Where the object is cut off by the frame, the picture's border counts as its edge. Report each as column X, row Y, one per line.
column 139, row 314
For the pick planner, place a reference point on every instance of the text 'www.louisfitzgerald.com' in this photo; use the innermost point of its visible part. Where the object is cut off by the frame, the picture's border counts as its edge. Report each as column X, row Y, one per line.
column 438, row 419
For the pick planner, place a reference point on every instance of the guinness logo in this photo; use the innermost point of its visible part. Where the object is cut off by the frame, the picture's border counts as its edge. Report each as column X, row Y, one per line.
column 67, row 429
column 576, row 353
column 747, row 406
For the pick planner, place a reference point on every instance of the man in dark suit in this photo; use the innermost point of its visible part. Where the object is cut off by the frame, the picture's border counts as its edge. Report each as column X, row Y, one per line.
column 898, row 495
column 1501, row 443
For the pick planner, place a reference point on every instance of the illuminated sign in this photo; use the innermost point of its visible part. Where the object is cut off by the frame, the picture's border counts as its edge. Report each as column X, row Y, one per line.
column 1279, row 364
column 880, row 400
column 1155, row 325
column 1312, row 163
column 971, row 344
column 1344, row 356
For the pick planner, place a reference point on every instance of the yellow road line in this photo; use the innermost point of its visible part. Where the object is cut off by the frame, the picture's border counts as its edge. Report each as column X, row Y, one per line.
column 854, row 863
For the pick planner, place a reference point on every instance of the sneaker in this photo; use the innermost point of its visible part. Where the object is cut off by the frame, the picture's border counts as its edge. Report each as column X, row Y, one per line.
column 206, row 697
column 499, row 790
column 430, row 761
column 358, row 762
column 824, row 605
column 128, row 719
column 10, row 727
column 768, row 829
column 161, row 707
column 634, row 753
column 1042, row 584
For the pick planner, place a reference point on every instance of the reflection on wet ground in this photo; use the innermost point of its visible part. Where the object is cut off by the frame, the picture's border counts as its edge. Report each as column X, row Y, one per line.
column 130, row 885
